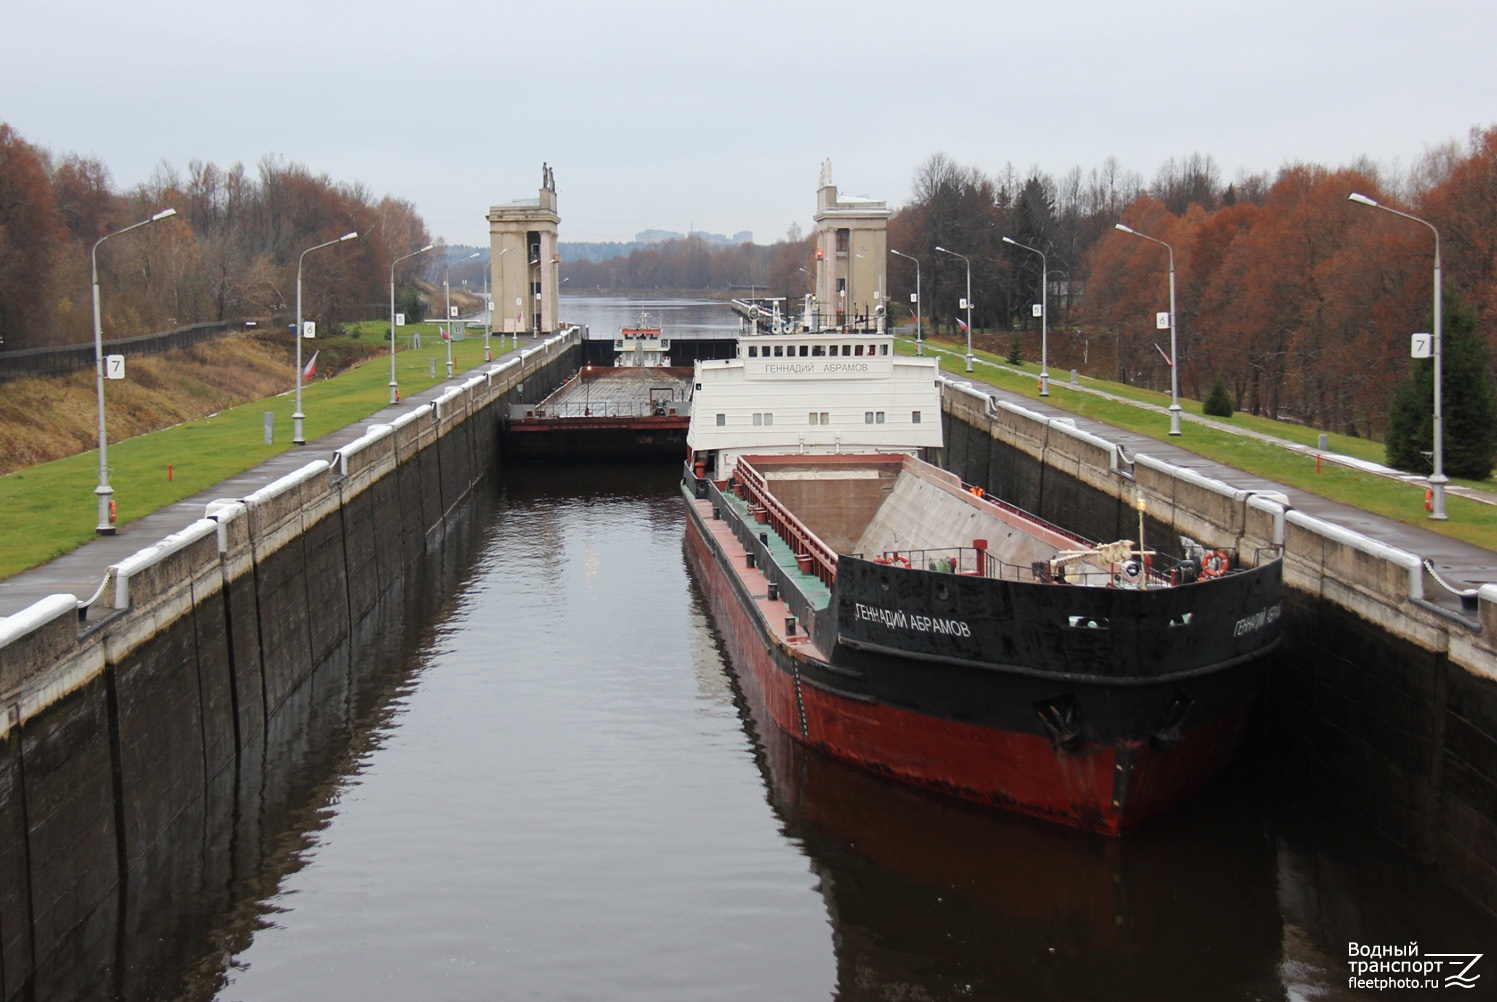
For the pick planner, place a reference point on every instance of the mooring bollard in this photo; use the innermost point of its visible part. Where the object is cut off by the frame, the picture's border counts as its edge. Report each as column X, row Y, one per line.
column 269, row 427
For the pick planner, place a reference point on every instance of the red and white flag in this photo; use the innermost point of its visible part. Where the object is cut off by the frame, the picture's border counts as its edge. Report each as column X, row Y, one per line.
column 960, row 324
column 311, row 369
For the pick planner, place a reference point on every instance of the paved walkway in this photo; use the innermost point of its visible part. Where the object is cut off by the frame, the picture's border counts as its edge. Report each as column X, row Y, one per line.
column 81, row 572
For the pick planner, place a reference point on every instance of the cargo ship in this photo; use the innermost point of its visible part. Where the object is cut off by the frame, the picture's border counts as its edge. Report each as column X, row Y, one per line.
column 919, row 627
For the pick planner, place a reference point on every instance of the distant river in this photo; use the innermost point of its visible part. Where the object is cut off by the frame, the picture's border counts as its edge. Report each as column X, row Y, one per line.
column 557, row 794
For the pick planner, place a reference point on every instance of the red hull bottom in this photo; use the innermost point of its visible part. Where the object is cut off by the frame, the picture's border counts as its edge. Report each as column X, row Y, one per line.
column 1108, row 789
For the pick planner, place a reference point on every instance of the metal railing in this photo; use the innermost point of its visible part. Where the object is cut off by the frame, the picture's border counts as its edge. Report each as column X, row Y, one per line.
column 811, row 554
column 576, row 409
column 1155, row 570
column 52, row 361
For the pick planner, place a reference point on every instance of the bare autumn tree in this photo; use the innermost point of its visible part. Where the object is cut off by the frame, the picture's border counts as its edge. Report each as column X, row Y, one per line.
column 957, row 205
column 1193, row 180
column 31, row 234
column 85, row 197
column 1463, row 206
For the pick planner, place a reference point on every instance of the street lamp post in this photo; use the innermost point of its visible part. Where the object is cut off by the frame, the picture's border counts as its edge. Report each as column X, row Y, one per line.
column 488, row 314
column 447, row 293
column 919, row 343
column 968, row 300
column 394, row 387
column 298, row 418
column 1438, row 481
column 104, row 492
column 499, row 290
column 1174, row 357
column 1045, row 315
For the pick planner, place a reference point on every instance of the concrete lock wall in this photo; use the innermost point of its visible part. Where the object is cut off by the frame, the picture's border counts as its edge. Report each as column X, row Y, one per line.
column 1379, row 701
column 135, row 744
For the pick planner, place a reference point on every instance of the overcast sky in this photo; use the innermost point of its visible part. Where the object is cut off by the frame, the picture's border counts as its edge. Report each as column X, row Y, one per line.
column 717, row 117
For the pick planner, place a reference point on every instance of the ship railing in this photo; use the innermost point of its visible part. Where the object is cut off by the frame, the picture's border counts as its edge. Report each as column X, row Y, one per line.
column 1152, row 570
column 812, row 556
column 600, row 409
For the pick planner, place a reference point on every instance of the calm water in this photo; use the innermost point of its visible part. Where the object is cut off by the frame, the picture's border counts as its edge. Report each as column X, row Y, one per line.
column 557, row 795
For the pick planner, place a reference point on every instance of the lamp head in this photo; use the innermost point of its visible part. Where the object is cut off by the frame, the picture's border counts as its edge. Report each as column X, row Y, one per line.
column 348, row 236
column 1359, row 197
column 163, row 214
column 1125, row 229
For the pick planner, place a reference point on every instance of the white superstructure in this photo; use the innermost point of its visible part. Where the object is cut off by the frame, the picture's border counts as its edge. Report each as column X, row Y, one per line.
column 814, row 393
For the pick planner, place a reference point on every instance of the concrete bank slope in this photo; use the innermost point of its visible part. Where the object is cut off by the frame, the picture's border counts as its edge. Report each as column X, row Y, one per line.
column 154, row 684
column 1383, row 698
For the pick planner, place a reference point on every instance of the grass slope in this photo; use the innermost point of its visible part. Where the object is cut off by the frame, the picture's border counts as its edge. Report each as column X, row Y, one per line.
column 50, row 508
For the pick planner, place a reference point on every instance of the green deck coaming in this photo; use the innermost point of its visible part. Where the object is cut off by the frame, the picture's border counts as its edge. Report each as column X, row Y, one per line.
column 812, row 587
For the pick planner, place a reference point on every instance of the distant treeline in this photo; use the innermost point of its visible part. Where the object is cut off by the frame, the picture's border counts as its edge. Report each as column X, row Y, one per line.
column 231, row 251
column 575, row 251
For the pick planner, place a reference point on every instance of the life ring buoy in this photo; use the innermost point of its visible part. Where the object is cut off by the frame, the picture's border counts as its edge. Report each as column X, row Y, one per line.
column 1429, row 499
column 1215, row 564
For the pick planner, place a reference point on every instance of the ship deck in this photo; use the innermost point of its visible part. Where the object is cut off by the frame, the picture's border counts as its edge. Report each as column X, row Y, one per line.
column 605, row 392
column 784, row 556
column 776, row 612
